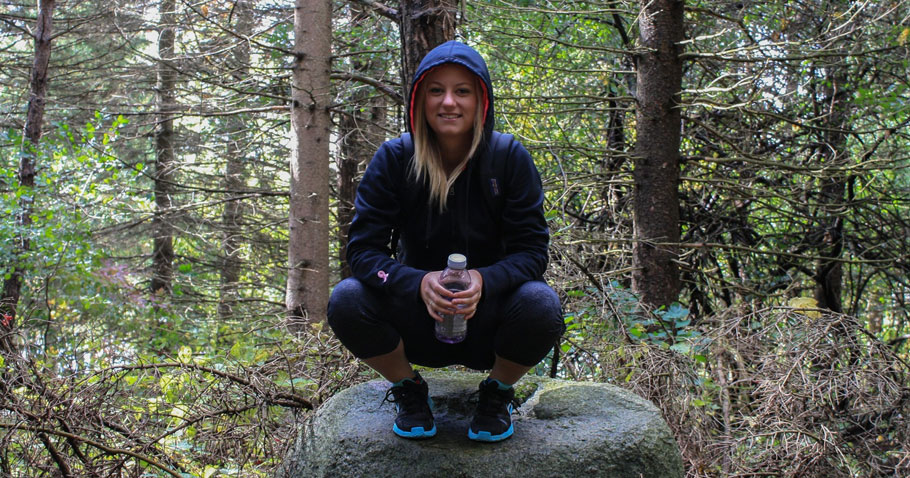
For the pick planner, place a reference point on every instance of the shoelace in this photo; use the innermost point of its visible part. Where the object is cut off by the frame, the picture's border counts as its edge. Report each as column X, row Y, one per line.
column 406, row 398
column 491, row 402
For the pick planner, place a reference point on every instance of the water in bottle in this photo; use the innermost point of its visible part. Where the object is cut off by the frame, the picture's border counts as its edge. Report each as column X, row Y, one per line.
column 455, row 277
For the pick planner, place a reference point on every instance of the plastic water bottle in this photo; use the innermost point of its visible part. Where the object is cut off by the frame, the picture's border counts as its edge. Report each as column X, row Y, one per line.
column 455, row 277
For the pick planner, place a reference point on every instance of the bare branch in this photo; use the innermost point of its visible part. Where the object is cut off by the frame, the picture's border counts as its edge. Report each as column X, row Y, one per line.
column 100, row 446
column 381, row 9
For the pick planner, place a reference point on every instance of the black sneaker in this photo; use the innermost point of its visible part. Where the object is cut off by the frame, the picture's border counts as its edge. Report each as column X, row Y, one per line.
column 493, row 417
column 412, row 398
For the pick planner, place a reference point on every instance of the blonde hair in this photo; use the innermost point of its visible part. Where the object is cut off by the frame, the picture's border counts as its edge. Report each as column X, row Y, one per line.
column 427, row 165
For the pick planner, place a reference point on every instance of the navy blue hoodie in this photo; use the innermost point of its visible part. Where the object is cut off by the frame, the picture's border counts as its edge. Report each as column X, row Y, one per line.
column 507, row 251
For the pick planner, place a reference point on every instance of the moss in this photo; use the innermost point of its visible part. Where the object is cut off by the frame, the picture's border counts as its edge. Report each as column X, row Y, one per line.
column 525, row 390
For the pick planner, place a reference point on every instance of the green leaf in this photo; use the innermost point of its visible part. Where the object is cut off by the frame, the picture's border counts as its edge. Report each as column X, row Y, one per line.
column 676, row 312
column 185, row 354
column 681, row 347
column 261, row 355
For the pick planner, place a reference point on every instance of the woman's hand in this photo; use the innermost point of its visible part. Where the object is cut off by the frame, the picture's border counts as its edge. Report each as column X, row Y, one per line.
column 440, row 300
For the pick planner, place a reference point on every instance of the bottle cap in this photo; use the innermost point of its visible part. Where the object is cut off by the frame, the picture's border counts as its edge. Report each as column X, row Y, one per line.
column 457, row 261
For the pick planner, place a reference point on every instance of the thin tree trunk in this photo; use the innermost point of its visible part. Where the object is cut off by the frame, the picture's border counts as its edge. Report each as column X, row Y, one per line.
column 308, row 249
column 12, row 287
column 163, row 229
column 423, row 25
column 656, row 162
column 832, row 202
column 360, row 134
column 235, row 169
column 352, row 155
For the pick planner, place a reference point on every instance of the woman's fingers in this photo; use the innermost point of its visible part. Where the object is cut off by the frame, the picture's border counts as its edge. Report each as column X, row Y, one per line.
column 467, row 300
column 435, row 296
column 440, row 300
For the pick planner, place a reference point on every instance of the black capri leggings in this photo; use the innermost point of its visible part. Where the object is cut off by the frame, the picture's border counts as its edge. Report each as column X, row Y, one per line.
column 521, row 326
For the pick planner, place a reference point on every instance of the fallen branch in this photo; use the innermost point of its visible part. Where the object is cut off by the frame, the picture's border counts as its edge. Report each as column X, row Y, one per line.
column 87, row 441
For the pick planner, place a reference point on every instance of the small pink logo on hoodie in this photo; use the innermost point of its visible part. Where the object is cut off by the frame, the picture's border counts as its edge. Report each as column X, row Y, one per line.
column 382, row 275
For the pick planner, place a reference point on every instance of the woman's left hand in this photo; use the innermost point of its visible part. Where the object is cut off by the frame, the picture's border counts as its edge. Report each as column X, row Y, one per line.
column 469, row 298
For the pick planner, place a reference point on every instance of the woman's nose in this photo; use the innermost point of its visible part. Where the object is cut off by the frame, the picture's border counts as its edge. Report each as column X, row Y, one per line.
column 448, row 99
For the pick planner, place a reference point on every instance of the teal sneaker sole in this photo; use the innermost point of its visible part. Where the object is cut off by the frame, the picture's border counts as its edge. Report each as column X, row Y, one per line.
column 416, row 432
column 488, row 437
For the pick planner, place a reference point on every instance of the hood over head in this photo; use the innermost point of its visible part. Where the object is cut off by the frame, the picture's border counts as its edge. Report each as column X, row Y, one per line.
column 461, row 54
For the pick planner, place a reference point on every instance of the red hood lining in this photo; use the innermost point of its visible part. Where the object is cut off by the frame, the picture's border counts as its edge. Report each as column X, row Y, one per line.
column 483, row 86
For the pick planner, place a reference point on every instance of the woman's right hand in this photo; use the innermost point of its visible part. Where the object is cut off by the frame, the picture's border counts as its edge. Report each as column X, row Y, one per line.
column 437, row 298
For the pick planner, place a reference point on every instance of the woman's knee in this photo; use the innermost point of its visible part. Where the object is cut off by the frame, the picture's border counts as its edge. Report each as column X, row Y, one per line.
column 352, row 315
column 533, row 324
column 539, row 305
column 344, row 303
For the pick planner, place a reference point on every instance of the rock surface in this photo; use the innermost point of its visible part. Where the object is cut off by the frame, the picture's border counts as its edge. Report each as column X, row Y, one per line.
column 562, row 429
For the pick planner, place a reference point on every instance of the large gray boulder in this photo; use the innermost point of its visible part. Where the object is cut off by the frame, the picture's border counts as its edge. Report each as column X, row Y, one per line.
column 562, row 429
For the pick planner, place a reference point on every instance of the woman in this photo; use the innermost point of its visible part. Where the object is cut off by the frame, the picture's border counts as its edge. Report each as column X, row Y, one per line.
column 433, row 199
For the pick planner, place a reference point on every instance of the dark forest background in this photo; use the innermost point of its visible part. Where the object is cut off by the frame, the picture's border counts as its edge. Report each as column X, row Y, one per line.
column 727, row 190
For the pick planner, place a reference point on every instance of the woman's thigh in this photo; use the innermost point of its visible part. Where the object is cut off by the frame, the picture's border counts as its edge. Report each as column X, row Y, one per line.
column 519, row 325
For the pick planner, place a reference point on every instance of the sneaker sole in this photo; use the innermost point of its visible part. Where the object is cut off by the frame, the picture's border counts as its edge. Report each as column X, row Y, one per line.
column 416, row 432
column 488, row 437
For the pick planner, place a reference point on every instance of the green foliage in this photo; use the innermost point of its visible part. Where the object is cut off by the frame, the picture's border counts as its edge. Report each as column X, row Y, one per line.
column 666, row 327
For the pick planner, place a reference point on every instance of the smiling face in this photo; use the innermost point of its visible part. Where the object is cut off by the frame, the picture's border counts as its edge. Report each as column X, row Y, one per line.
column 450, row 102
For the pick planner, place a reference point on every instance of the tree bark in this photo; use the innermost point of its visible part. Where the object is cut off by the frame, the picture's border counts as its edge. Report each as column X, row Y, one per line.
column 423, row 25
column 162, row 228
column 308, row 249
column 361, row 134
column 235, row 170
column 832, row 206
column 12, row 287
column 656, row 158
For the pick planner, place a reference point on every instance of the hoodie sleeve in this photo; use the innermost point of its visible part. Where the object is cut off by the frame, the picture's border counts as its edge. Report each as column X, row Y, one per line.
column 525, row 233
column 377, row 206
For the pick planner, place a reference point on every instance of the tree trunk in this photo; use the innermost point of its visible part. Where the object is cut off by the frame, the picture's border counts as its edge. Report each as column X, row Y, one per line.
column 34, row 120
column 235, row 170
column 656, row 161
column 163, row 230
column 423, row 25
column 308, row 248
column 361, row 134
column 832, row 202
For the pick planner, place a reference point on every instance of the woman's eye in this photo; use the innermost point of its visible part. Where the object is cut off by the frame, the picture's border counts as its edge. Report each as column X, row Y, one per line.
column 435, row 90
column 464, row 91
